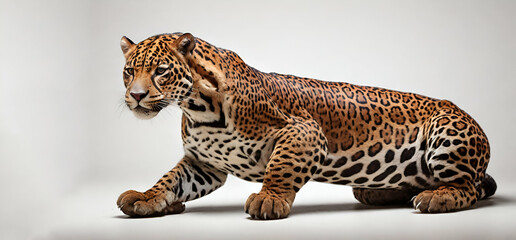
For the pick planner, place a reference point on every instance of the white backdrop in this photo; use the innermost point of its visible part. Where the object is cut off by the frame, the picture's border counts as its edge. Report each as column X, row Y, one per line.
column 63, row 126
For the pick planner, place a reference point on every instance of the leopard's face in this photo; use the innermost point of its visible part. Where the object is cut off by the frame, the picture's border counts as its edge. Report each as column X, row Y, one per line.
column 156, row 73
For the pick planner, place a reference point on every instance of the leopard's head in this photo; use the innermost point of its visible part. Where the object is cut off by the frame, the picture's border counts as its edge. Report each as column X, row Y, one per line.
column 156, row 72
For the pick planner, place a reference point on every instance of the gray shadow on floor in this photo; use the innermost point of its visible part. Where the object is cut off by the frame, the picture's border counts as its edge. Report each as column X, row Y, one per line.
column 296, row 209
column 335, row 207
column 129, row 217
column 216, row 209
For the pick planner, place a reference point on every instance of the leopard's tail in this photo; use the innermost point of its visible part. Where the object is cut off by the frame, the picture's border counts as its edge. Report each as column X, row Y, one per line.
column 487, row 187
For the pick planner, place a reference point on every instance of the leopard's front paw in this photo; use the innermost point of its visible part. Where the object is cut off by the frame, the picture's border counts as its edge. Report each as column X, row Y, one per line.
column 434, row 201
column 264, row 206
column 137, row 204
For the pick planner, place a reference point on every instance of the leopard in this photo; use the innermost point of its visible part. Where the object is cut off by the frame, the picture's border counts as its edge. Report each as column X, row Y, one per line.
column 390, row 147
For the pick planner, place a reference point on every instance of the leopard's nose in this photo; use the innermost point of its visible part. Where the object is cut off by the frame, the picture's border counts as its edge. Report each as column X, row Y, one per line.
column 139, row 95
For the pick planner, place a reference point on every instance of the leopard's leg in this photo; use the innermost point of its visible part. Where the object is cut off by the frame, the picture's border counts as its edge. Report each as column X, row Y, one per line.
column 457, row 155
column 383, row 196
column 188, row 180
column 299, row 149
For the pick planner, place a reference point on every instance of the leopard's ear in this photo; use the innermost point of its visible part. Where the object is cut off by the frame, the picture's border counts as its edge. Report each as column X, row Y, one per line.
column 185, row 44
column 126, row 45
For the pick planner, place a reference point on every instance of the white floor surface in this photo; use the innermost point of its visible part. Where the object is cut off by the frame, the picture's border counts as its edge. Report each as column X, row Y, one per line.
column 321, row 211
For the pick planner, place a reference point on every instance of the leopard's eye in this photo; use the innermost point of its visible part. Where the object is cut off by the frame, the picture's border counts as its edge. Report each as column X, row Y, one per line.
column 160, row 70
column 129, row 71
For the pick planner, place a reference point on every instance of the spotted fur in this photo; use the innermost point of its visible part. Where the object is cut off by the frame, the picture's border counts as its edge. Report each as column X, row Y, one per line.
column 284, row 131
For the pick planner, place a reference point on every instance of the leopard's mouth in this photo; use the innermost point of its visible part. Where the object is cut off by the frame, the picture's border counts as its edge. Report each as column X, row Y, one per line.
column 145, row 113
column 142, row 109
